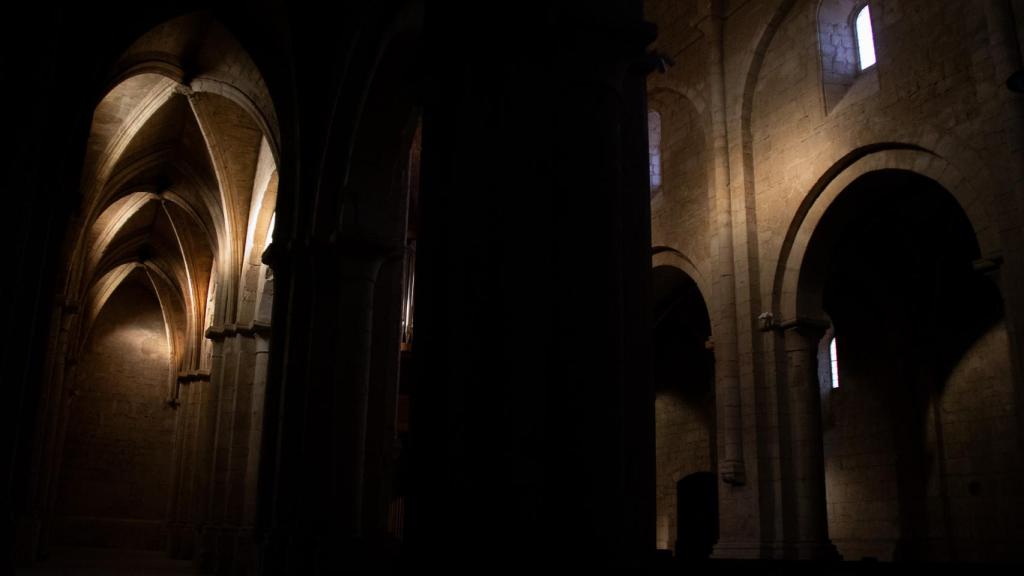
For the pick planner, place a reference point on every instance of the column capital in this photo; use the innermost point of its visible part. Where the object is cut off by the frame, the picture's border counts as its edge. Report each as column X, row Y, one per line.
column 194, row 376
column 803, row 333
column 254, row 328
column 768, row 323
column 802, row 324
column 259, row 328
column 216, row 333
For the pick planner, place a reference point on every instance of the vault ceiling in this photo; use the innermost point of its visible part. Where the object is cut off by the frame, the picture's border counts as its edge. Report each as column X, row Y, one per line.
column 169, row 173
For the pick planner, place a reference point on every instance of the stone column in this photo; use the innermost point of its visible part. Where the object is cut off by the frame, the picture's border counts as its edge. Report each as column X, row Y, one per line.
column 195, row 386
column 176, row 525
column 731, row 467
column 231, row 453
column 315, row 522
column 245, row 545
column 351, row 376
column 206, row 528
column 232, row 442
column 383, row 399
column 532, row 422
column 808, row 537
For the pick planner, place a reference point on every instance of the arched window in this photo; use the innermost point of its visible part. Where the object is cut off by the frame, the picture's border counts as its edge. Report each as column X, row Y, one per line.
column 654, row 149
column 847, row 50
column 865, row 39
column 833, row 359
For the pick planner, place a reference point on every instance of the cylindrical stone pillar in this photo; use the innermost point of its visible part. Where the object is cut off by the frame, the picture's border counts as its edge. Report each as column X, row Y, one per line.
column 809, row 538
column 318, row 521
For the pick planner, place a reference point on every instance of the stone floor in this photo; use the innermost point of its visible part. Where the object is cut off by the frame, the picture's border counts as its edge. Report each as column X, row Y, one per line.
column 101, row 562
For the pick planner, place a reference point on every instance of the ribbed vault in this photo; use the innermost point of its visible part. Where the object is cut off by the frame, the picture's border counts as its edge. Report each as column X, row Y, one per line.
column 178, row 183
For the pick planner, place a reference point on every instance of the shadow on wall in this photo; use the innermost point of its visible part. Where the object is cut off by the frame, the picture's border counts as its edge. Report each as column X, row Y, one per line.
column 687, row 503
column 893, row 260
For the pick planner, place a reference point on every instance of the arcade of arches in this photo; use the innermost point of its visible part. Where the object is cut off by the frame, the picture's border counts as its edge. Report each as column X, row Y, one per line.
column 302, row 293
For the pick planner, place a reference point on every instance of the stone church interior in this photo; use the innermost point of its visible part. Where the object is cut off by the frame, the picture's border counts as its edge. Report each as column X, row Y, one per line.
column 401, row 286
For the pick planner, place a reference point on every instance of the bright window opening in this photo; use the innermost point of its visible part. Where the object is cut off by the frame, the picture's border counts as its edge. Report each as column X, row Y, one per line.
column 654, row 149
column 834, row 362
column 865, row 39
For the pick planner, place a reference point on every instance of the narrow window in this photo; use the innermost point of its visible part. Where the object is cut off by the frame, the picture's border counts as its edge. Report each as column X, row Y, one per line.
column 865, row 39
column 654, row 149
column 834, row 361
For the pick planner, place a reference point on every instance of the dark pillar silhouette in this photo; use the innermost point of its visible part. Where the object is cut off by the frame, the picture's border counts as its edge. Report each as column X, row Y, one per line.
column 532, row 423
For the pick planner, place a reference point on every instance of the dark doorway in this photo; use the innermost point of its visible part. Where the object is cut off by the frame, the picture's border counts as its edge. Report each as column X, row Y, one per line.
column 697, row 516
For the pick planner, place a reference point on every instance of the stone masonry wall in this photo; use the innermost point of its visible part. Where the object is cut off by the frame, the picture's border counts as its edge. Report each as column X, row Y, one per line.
column 979, row 455
column 791, row 117
column 974, row 463
column 116, row 477
column 934, row 83
column 683, row 447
